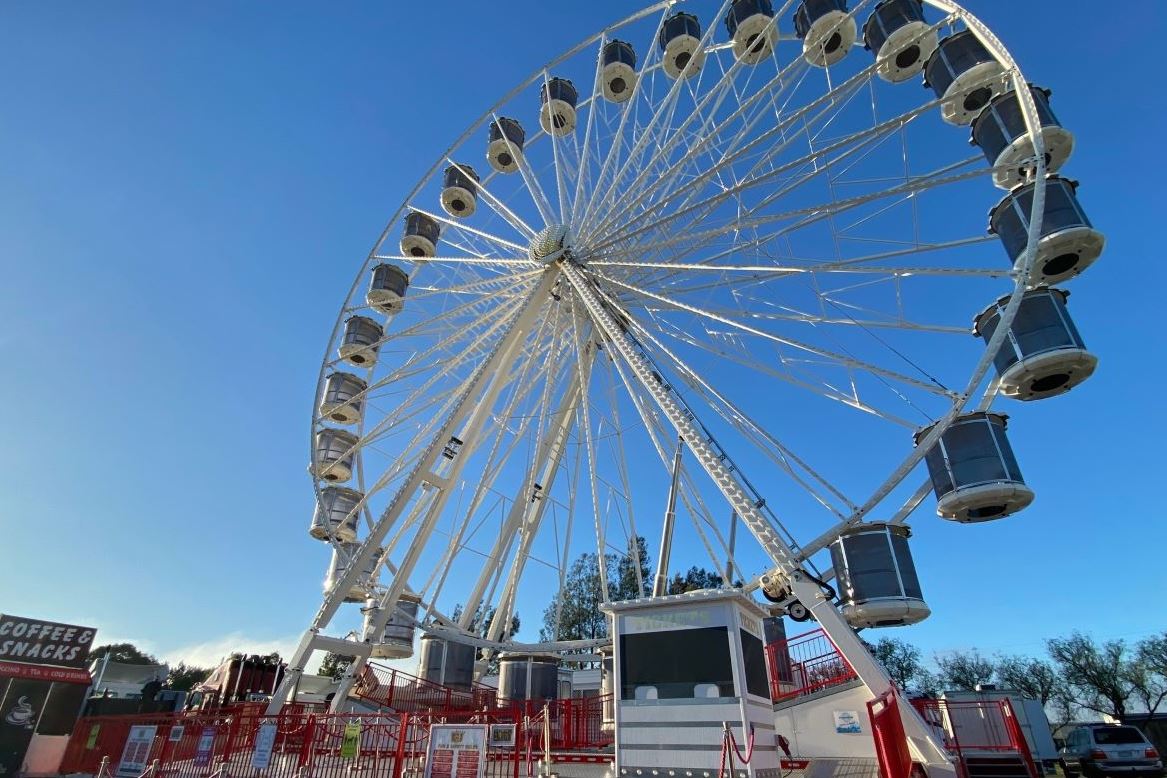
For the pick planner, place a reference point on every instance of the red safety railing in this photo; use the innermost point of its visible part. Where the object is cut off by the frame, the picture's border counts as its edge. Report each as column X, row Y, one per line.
column 194, row 745
column 391, row 688
column 805, row 664
column 199, row 746
column 977, row 728
column 576, row 724
column 891, row 743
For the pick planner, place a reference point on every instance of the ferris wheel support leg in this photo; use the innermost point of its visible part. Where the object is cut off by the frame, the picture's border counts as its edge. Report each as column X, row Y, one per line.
column 492, row 376
column 925, row 746
column 489, row 379
column 550, row 470
column 550, row 454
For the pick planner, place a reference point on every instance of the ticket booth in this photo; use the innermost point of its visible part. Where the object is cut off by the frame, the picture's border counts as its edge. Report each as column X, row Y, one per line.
column 43, row 682
column 684, row 666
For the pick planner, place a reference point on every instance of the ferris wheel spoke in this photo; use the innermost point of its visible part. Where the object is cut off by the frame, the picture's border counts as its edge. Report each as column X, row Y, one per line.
column 845, row 148
column 490, row 287
column 526, row 506
column 583, row 157
column 449, row 327
column 701, row 517
column 785, row 340
column 618, row 450
column 560, row 165
column 493, row 202
column 417, row 363
column 678, row 269
column 656, row 429
column 498, row 457
column 444, row 371
column 466, row 229
column 824, row 105
column 763, row 368
column 853, row 266
column 617, row 142
column 731, row 412
column 531, row 527
column 584, row 410
column 490, row 261
column 644, row 187
column 534, row 189
column 809, row 216
column 667, row 105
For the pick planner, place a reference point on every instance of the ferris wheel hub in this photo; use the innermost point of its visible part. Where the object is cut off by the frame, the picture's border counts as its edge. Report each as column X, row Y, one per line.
column 552, row 242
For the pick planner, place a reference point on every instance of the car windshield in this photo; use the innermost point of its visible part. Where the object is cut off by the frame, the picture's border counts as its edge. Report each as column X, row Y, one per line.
column 1117, row 736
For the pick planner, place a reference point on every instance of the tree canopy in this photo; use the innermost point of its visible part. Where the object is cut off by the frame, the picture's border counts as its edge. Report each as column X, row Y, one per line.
column 184, row 677
column 334, row 665
column 574, row 613
column 126, row 653
column 964, row 670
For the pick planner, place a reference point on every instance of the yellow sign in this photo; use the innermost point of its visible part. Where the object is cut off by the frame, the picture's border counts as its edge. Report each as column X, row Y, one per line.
column 91, row 743
column 350, row 746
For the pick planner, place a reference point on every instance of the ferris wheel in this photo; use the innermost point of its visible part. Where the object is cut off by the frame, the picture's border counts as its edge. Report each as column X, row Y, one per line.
column 731, row 254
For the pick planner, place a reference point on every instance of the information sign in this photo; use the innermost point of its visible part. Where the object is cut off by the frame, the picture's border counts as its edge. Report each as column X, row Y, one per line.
column 456, row 751
column 206, row 747
column 265, row 740
column 136, row 754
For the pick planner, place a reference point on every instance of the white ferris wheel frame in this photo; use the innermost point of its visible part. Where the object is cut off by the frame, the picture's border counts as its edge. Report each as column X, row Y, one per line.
column 788, row 562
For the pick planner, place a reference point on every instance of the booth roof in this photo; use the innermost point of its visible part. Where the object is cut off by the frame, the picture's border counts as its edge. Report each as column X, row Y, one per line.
column 688, row 598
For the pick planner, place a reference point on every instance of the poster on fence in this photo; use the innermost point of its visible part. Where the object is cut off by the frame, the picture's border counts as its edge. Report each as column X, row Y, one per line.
column 176, row 733
column 350, row 745
column 136, row 754
column 206, row 747
column 91, row 743
column 502, row 735
column 265, row 740
column 456, row 751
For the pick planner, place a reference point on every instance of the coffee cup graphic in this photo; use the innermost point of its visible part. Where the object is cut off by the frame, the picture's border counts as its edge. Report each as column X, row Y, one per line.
column 21, row 714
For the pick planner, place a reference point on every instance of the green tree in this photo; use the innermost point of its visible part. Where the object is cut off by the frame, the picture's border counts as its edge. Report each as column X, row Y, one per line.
column 1097, row 675
column 126, row 653
column 334, row 665
column 963, row 670
column 1034, row 678
column 625, row 585
column 574, row 612
column 693, row 579
column 1147, row 673
column 902, row 662
column 184, row 677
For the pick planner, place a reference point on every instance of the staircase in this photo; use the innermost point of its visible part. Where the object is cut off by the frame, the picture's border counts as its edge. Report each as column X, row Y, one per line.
column 995, row 766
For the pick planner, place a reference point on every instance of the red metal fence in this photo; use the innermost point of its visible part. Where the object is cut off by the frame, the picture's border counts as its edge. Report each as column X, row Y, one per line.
column 805, row 664
column 310, row 743
column 390, row 688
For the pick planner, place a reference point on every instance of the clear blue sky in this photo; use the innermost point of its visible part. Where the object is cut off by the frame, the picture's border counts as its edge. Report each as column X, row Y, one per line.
column 186, row 191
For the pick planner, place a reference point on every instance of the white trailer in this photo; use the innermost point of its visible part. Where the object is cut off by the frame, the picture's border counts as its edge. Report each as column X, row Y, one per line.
column 1030, row 715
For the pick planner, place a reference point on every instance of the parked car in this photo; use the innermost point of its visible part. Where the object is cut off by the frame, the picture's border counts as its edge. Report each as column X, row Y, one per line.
column 1104, row 750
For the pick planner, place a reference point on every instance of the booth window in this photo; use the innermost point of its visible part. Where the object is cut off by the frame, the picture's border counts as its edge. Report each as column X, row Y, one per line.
column 754, row 655
column 678, row 664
